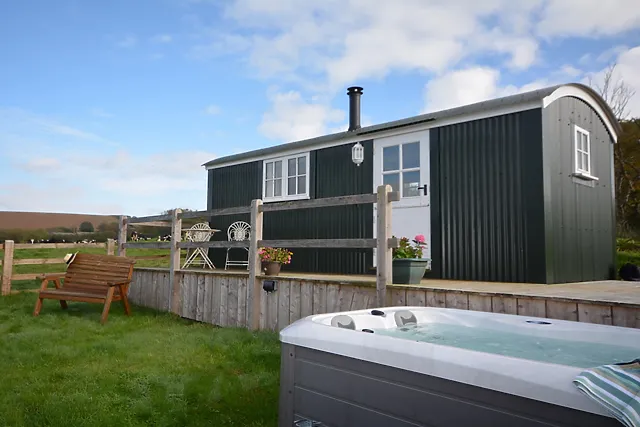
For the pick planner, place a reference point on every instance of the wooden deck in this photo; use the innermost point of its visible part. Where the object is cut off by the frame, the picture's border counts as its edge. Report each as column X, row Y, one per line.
column 616, row 292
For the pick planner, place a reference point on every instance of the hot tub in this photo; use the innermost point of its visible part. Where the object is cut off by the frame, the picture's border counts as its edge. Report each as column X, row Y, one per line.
column 427, row 366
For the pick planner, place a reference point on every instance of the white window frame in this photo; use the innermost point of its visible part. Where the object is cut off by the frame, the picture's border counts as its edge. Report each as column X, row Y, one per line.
column 583, row 172
column 284, row 190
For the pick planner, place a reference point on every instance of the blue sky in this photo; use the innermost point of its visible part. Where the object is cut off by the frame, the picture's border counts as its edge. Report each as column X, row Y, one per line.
column 112, row 107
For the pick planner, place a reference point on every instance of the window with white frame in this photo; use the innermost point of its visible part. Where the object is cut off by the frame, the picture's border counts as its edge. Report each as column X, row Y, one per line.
column 286, row 178
column 401, row 168
column 582, row 141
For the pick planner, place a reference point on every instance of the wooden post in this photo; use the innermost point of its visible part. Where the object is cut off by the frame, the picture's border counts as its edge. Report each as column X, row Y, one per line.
column 384, row 252
column 122, row 236
column 253, row 286
column 7, row 267
column 111, row 247
column 175, row 293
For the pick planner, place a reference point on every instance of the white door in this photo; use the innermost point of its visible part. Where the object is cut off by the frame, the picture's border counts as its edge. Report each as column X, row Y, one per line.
column 402, row 161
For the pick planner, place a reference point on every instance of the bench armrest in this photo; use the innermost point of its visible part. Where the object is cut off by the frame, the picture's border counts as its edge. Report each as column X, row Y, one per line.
column 126, row 282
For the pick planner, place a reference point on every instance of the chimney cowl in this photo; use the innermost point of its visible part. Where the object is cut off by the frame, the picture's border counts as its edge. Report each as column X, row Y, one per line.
column 354, row 92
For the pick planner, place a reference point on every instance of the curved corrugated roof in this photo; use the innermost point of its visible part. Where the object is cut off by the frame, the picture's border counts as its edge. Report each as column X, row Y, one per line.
column 544, row 96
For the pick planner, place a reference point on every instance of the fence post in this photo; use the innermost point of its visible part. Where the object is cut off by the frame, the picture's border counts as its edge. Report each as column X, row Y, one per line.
column 174, row 291
column 253, row 286
column 111, row 244
column 384, row 253
column 122, row 236
column 7, row 267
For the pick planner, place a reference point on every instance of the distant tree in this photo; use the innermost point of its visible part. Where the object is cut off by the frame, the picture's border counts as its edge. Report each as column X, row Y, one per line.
column 617, row 93
column 86, row 227
column 627, row 176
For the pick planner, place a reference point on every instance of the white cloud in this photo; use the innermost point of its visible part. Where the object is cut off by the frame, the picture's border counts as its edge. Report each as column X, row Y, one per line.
column 468, row 86
column 588, row 18
column 162, row 38
column 98, row 183
column 17, row 121
column 460, row 87
column 212, row 110
column 322, row 46
column 571, row 71
column 99, row 112
column 292, row 118
column 127, row 42
column 343, row 41
column 45, row 166
column 44, row 197
column 40, row 163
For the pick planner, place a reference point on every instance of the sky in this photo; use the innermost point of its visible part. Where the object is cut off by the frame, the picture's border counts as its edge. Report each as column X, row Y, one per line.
column 112, row 107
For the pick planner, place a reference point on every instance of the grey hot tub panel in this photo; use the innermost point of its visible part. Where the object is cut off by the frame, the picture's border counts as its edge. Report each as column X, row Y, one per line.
column 341, row 391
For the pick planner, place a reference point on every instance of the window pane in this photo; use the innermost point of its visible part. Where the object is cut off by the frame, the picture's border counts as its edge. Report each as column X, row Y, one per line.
column 411, row 155
column 291, row 168
column 277, row 190
column 269, row 170
column 291, row 188
column 269, row 189
column 410, row 184
column 302, row 165
column 585, row 162
column 585, row 143
column 580, row 161
column 278, row 173
column 391, row 158
column 393, row 179
column 302, row 185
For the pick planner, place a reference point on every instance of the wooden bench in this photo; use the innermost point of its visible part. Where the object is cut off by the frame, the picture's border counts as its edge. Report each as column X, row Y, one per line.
column 90, row 278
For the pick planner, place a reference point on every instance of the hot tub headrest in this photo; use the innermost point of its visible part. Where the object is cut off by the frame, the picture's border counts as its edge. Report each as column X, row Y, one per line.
column 343, row 321
column 405, row 317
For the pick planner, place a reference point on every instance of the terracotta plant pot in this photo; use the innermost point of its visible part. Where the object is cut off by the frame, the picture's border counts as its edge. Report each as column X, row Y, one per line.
column 271, row 268
column 409, row 270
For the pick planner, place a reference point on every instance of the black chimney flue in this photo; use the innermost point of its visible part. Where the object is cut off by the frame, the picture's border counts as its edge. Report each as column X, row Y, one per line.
column 354, row 92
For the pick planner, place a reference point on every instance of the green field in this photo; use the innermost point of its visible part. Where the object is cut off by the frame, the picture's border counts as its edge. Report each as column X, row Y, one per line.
column 60, row 253
column 64, row 368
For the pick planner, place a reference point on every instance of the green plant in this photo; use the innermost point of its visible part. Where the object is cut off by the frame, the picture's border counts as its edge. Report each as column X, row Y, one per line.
column 86, row 227
column 407, row 250
column 281, row 255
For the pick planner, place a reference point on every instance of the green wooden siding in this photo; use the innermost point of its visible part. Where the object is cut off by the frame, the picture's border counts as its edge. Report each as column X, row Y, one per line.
column 332, row 174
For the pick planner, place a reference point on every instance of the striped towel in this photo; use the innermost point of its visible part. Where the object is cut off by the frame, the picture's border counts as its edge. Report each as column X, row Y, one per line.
column 616, row 387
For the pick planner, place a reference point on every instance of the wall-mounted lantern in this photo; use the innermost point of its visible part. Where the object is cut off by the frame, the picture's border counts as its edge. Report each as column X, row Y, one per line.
column 357, row 154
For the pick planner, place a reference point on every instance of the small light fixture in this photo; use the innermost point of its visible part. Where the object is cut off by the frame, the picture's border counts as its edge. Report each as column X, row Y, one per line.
column 357, row 154
column 269, row 285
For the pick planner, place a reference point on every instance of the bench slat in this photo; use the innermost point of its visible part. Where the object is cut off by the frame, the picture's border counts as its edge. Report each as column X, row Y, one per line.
column 72, row 296
column 103, row 278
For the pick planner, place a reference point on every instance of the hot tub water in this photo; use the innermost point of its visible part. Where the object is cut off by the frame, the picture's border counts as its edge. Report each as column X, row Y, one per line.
column 532, row 347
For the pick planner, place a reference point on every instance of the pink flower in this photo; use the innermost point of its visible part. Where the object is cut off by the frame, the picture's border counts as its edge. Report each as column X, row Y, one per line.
column 419, row 238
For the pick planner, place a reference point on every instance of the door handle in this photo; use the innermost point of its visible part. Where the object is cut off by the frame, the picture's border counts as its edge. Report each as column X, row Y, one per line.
column 424, row 189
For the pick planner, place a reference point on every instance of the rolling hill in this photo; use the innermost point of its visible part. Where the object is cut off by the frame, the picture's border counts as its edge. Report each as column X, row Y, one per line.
column 41, row 220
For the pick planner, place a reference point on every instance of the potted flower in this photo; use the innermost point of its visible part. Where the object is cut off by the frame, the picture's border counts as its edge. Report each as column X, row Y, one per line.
column 273, row 258
column 408, row 265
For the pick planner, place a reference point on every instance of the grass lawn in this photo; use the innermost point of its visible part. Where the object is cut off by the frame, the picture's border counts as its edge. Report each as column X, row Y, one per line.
column 65, row 369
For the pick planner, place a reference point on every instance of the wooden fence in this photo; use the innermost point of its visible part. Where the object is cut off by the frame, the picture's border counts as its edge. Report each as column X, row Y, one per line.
column 384, row 243
column 222, row 299
column 9, row 247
